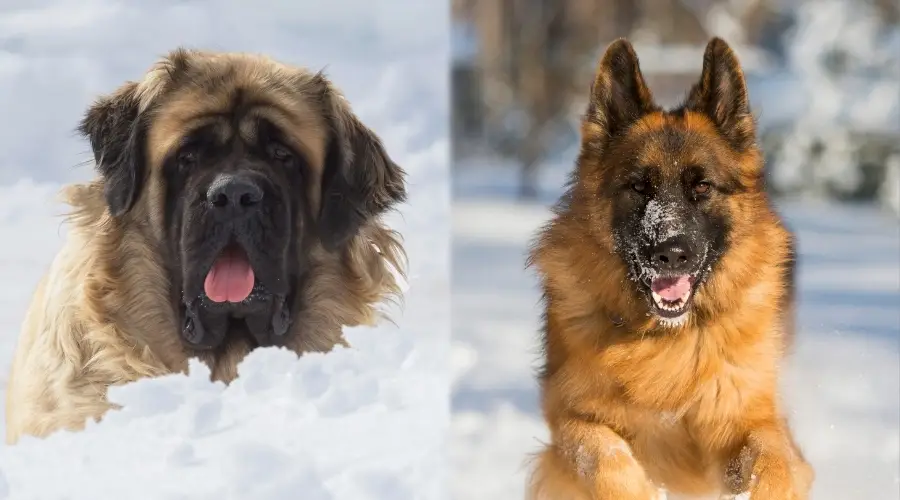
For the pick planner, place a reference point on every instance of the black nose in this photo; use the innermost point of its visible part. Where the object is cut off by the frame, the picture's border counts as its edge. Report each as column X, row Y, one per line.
column 234, row 195
column 673, row 256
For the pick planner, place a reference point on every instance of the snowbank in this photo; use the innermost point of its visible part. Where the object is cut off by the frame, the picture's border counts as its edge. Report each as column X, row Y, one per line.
column 349, row 424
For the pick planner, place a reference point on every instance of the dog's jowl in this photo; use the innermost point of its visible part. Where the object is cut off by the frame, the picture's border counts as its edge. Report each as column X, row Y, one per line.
column 238, row 204
column 668, row 289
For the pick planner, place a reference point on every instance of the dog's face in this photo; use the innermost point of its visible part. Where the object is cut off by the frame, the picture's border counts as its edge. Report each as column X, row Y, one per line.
column 243, row 169
column 664, row 184
column 238, row 230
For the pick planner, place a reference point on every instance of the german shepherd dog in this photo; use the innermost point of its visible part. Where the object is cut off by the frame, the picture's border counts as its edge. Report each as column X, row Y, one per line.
column 668, row 287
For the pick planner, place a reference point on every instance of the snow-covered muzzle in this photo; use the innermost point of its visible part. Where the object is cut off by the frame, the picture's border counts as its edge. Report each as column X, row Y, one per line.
column 669, row 248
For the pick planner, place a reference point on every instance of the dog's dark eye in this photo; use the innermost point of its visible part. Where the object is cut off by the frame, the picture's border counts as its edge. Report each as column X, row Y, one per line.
column 640, row 186
column 187, row 158
column 280, row 152
column 702, row 187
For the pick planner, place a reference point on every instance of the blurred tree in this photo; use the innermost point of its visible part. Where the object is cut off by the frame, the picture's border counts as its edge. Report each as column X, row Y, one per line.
column 534, row 59
column 532, row 53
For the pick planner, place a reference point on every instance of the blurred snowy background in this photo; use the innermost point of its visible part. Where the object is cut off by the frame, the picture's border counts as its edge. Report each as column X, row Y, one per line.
column 367, row 422
column 824, row 79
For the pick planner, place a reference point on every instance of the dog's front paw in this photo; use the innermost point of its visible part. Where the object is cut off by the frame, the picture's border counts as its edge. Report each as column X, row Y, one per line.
column 739, row 472
column 776, row 478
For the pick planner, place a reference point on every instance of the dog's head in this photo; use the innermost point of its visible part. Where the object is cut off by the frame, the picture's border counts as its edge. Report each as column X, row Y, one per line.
column 663, row 187
column 243, row 169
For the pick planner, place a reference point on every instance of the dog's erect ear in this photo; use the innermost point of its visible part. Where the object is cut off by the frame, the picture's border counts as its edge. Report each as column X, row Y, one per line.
column 113, row 127
column 360, row 180
column 721, row 94
column 619, row 95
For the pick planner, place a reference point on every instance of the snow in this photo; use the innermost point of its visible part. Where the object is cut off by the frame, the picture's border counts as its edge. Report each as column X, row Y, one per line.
column 659, row 222
column 841, row 386
column 324, row 427
column 368, row 422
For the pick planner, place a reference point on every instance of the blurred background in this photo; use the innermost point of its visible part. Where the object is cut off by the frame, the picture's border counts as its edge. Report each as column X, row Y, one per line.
column 824, row 81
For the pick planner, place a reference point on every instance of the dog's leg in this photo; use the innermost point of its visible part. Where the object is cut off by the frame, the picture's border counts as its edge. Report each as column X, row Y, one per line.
column 589, row 461
column 770, row 466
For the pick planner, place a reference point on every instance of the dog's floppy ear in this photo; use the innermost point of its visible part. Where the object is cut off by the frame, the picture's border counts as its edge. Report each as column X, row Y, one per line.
column 721, row 94
column 360, row 180
column 619, row 95
column 113, row 127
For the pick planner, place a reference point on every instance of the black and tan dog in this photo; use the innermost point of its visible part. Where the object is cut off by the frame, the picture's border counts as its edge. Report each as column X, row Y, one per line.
column 668, row 286
column 237, row 205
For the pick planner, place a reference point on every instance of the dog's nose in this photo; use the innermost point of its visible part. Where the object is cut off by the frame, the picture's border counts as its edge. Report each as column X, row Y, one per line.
column 234, row 194
column 673, row 256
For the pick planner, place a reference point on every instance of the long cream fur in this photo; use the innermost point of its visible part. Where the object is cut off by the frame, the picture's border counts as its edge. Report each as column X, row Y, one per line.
column 101, row 316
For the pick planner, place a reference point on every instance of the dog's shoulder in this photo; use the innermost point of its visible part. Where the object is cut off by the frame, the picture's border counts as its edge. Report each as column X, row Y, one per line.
column 46, row 358
column 64, row 359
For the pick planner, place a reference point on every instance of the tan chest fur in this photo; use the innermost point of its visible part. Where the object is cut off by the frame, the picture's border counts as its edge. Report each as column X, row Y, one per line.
column 681, row 401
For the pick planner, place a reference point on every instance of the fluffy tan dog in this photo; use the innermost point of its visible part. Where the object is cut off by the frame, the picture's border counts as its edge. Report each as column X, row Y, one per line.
column 237, row 205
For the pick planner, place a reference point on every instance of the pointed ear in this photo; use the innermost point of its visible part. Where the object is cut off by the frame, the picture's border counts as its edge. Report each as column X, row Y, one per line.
column 113, row 127
column 721, row 94
column 360, row 181
column 619, row 95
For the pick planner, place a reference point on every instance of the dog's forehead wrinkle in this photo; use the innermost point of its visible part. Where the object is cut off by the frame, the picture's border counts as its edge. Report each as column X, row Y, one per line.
column 248, row 129
column 673, row 139
column 222, row 132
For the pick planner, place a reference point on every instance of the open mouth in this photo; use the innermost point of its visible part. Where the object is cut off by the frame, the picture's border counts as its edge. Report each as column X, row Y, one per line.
column 231, row 277
column 671, row 295
column 233, row 295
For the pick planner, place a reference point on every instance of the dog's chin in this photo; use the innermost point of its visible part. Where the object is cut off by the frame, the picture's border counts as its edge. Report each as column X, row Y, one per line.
column 670, row 314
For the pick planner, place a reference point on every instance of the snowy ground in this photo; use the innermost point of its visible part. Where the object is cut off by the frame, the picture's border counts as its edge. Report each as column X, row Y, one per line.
column 842, row 385
column 363, row 423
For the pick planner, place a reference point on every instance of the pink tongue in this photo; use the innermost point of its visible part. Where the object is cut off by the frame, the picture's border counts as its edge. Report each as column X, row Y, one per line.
column 672, row 289
column 231, row 277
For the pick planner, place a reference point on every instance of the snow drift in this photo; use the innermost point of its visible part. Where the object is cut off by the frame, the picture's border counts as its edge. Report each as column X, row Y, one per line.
column 347, row 424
